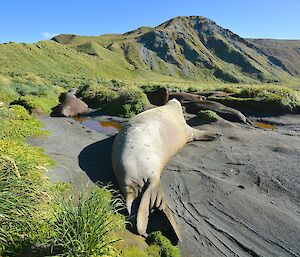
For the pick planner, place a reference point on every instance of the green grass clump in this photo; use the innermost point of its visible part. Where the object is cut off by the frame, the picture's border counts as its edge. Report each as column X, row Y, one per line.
column 264, row 99
column 17, row 123
column 133, row 251
column 229, row 89
column 158, row 246
column 38, row 104
column 8, row 94
column 209, row 116
column 25, row 197
column 97, row 94
column 166, row 248
column 128, row 104
column 278, row 96
column 87, row 226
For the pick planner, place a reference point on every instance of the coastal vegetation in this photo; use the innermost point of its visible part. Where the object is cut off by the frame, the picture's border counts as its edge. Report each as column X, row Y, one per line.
column 36, row 218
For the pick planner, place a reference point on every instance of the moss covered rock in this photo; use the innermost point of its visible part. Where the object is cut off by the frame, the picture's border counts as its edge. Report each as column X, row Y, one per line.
column 166, row 248
column 209, row 116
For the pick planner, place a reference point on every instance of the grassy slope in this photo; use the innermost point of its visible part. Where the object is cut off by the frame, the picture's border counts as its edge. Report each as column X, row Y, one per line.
column 52, row 61
column 200, row 55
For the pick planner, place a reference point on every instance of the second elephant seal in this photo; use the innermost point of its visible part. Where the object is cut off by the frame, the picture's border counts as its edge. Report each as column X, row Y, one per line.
column 71, row 105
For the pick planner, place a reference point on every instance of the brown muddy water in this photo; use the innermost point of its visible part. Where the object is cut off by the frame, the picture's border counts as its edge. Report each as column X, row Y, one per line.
column 264, row 125
column 106, row 127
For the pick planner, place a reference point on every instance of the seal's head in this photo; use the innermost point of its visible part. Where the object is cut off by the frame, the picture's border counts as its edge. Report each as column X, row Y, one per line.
column 73, row 91
column 176, row 105
column 158, row 97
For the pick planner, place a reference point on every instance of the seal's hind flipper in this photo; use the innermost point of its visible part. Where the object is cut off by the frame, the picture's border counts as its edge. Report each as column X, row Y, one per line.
column 153, row 197
column 130, row 197
column 148, row 199
column 249, row 121
column 201, row 135
column 167, row 211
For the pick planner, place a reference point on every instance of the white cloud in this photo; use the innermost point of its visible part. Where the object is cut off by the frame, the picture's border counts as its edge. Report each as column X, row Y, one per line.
column 48, row 35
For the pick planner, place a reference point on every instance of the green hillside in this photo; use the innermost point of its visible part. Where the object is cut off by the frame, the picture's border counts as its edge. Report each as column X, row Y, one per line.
column 185, row 53
column 193, row 48
column 51, row 60
column 184, row 50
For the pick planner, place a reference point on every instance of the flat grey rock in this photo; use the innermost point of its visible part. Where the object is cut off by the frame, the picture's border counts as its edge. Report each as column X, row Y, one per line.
column 237, row 196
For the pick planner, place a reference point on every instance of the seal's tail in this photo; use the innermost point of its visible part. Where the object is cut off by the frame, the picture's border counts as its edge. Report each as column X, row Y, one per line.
column 153, row 197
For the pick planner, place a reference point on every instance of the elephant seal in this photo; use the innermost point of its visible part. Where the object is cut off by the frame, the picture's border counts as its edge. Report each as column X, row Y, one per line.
column 70, row 105
column 194, row 103
column 160, row 96
column 222, row 110
column 140, row 152
column 186, row 97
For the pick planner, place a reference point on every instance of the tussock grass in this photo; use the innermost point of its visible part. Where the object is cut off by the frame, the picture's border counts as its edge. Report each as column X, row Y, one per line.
column 25, row 196
column 114, row 97
column 264, row 99
column 281, row 96
column 128, row 104
column 17, row 123
column 38, row 104
column 87, row 226
column 25, row 193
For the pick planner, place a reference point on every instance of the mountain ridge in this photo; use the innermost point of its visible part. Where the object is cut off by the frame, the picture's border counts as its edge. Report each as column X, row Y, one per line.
column 185, row 48
column 191, row 47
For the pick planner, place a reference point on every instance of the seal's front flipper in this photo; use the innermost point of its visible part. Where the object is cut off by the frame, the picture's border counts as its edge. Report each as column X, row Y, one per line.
column 201, row 135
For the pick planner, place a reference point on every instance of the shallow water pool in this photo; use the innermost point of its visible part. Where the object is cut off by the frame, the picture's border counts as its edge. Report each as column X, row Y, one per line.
column 106, row 127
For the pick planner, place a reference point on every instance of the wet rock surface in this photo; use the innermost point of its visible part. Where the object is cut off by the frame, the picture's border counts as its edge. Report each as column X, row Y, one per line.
column 237, row 196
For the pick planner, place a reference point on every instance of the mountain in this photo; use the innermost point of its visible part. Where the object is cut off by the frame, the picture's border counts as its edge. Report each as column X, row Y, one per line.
column 283, row 53
column 190, row 48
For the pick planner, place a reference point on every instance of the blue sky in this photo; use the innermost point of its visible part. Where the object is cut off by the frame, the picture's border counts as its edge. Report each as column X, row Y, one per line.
column 33, row 20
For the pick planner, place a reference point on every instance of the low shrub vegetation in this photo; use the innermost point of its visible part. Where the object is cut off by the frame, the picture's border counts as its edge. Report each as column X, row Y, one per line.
column 209, row 116
column 38, row 104
column 285, row 98
column 263, row 99
column 128, row 104
column 96, row 95
column 166, row 249
column 17, row 123
column 114, row 97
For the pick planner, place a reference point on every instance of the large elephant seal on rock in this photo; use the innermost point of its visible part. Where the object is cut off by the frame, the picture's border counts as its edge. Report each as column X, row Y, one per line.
column 70, row 105
column 140, row 152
